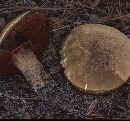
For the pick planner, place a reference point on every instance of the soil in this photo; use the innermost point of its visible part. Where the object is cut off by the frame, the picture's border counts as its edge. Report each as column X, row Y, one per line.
column 58, row 98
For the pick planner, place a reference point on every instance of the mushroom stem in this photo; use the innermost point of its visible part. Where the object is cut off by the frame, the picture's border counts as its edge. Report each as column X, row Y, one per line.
column 26, row 61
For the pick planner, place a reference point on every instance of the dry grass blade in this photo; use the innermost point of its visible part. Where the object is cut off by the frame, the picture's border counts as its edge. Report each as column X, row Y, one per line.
column 92, row 107
column 95, row 3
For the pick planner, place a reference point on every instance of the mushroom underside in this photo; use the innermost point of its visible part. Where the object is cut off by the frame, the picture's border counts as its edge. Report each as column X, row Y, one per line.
column 96, row 57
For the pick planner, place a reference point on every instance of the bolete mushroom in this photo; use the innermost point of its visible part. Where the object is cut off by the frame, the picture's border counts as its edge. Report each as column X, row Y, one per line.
column 96, row 57
column 22, row 42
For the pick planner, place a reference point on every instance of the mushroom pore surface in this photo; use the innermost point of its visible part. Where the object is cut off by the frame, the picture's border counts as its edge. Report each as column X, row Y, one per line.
column 96, row 57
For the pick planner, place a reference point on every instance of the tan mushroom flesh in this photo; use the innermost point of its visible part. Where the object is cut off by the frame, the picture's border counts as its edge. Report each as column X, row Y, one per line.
column 96, row 57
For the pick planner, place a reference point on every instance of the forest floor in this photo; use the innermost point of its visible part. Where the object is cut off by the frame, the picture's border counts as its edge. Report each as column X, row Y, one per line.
column 61, row 100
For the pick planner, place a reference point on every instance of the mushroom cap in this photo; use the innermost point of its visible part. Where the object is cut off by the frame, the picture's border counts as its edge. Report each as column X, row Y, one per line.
column 96, row 57
column 30, row 27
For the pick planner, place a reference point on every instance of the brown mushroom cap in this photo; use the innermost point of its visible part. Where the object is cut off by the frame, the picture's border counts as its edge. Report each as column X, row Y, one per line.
column 96, row 57
column 32, row 28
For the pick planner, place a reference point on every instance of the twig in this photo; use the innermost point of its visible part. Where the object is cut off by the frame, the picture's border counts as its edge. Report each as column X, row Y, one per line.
column 60, row 28
column 85, row 10
column 95, row 3
column 110, row 107
column 92, row 107
column 33, row 8
column 65, row 8
column 104, row 19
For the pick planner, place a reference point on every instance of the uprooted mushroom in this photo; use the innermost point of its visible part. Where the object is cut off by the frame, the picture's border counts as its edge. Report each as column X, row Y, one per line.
column 22, row 41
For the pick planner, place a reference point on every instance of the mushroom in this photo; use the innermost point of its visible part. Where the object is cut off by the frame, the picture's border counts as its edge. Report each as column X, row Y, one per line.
column 96, row 58
column 22, row 42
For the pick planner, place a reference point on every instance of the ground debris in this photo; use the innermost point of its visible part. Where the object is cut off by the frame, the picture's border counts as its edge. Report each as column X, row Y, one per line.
column 92, row 107
column 63, row 16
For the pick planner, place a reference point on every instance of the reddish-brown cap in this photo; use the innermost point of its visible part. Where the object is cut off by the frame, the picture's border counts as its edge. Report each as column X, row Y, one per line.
column 28, row 29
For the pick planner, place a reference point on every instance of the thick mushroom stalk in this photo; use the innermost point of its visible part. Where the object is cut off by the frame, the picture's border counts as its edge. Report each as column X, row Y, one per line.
column 29, row 65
